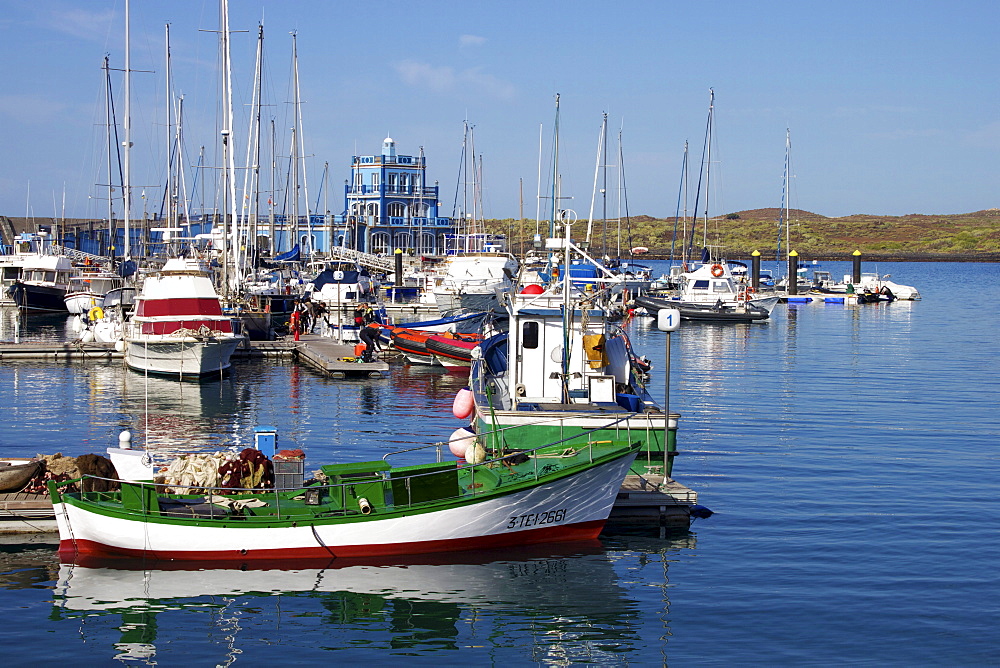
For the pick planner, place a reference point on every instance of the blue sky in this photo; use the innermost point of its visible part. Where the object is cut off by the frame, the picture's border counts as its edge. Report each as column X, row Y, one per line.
column 893, row 107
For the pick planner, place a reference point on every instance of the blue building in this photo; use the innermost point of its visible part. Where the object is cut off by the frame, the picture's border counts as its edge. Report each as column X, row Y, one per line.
column 388, row 205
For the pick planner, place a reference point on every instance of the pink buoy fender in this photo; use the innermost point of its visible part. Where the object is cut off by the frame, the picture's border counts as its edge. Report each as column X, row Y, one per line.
column 463, row 404
column 460, row 441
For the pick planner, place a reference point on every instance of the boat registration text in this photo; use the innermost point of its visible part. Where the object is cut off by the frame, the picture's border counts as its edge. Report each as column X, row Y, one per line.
column 535, row 519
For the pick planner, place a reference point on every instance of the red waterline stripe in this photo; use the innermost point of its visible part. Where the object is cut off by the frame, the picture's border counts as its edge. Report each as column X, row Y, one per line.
column 69, row 549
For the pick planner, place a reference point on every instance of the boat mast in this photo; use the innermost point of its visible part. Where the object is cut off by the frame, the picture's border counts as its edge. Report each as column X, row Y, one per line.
column 555, row 172
column 597, row 171
column 229, row 169
column 708, row 168
column 109, row 109
column 701, row 174
column 301, row 145
column 127, row 180
column 251, row 180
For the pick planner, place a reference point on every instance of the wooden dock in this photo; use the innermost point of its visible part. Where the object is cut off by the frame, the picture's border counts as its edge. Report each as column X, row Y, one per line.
column 317, row 352
column 22, row 513
column 336, row 360
column 649, row 500
column 58, row 351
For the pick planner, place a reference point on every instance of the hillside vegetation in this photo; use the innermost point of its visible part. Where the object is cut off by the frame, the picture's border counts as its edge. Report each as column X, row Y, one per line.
column 968, row 236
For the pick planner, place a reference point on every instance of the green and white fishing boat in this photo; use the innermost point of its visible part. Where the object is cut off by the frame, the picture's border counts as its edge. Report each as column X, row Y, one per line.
column 562, row 491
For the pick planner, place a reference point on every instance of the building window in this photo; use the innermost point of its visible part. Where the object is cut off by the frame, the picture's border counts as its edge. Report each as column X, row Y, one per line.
column 392, row 184
column 403, row 182
column 396, row 209
column 375, row 180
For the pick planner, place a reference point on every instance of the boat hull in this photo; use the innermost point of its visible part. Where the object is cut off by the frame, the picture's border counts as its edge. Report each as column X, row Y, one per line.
column 571, row 508
column 181, row 357
column 39, row 297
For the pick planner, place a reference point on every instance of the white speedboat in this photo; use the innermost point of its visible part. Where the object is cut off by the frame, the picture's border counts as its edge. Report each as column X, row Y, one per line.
column 178, row 328
column 710, row 293
column 472, row 280
column 88, row 290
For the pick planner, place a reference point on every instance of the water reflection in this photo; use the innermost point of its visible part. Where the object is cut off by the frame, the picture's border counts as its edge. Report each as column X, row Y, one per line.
column 175, row 416
column 18, row 325
column 544, row 604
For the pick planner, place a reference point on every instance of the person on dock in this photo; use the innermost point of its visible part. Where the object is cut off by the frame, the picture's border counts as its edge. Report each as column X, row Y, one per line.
column 369, row 336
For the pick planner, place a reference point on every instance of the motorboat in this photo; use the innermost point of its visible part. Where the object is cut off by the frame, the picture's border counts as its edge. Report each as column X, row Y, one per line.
column 178, row 328
column 88, row 289
column 711, row 293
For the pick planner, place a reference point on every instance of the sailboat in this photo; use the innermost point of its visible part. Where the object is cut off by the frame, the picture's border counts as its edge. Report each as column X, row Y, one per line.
column 709, row 291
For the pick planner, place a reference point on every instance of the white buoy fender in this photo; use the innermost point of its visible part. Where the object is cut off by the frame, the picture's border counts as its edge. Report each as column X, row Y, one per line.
column 463, row 404
column 460, row 440
column 476, row 454
column 119, row 346
column 87, row 336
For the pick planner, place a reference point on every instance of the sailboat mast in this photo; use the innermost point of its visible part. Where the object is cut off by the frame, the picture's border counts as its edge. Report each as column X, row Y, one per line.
column 555, row 172
column 708, row 167
column 597, row 171
column 109, row 109
column 171, row 211
column 228, row 152
column 251, row 180
column 127, row 180
column 785, row 193
column 301, row 142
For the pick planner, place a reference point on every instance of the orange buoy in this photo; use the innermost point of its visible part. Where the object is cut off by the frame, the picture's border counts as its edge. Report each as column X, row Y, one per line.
column 463, row 404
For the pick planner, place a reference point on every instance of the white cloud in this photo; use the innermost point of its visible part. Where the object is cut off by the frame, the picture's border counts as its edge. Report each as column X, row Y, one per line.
column 471, row 40
column 446, row 79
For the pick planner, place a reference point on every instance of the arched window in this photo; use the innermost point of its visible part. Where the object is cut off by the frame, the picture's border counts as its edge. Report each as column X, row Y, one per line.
column 379, row 243
column 396, row 209
column 426, row 244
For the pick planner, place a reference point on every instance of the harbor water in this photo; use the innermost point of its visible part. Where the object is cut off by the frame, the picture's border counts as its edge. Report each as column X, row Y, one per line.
column 850, row 455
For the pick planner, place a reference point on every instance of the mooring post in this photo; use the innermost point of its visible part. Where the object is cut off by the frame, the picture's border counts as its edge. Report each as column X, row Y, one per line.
column 793, row 274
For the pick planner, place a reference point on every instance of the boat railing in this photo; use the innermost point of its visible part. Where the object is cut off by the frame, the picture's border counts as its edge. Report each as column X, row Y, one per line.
column 364, row 490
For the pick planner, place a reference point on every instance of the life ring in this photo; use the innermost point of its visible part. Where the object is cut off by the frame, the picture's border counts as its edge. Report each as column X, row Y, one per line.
column 95, row 313
column 750, row 290
column 717, row 270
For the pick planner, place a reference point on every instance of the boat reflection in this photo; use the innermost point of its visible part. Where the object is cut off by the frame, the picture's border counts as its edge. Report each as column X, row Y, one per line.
column 182, row 417
column 563, row 602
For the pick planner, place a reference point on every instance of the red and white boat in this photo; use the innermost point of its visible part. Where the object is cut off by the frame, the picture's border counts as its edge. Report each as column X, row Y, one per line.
column 179, row 328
